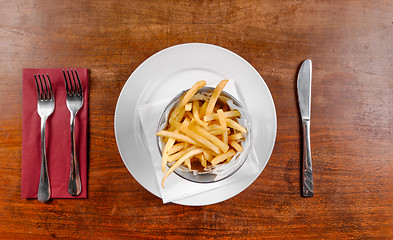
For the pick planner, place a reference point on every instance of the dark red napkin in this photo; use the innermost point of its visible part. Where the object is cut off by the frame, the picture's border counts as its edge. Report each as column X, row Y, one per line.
column 58, row 136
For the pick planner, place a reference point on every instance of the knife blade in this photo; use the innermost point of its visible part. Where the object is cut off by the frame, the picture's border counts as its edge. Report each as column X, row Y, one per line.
column 304, row 97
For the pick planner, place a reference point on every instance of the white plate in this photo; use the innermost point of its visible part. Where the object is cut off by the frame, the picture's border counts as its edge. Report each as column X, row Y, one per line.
column 172, row 70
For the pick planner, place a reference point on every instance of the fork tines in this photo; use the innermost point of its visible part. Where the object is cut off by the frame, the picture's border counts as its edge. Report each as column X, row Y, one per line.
column 44, row 93
column 71, row 86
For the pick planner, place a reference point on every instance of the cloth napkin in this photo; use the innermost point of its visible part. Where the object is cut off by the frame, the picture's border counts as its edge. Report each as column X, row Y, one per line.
column 177, row 188
column 58, row 136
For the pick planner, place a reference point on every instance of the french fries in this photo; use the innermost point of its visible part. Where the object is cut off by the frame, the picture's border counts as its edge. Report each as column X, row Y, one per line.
column 202, row 129
column 214, row 97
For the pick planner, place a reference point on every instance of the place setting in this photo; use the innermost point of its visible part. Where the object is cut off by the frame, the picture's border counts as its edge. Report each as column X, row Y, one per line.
column 191, row 130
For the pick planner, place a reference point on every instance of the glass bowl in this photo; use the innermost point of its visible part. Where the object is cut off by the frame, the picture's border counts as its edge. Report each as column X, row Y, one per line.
column 221, row 171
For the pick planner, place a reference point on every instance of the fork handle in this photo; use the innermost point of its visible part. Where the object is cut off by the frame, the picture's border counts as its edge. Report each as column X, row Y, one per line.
column 74, row 184
column 44, row 193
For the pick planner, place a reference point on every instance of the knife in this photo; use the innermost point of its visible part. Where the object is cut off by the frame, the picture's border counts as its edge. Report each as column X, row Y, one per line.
column 304, row 96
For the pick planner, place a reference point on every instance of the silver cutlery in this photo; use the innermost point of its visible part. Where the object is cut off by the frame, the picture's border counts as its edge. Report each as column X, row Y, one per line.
column 45, row 107
column 74, row 100
column 304, row 96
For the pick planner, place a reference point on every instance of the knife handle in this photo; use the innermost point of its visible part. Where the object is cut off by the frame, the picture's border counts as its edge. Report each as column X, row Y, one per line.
column 307, row 163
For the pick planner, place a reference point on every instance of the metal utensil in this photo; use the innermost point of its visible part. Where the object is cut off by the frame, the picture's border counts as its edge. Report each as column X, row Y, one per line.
column 45, row 107
column 304, row 96
column 74, row 100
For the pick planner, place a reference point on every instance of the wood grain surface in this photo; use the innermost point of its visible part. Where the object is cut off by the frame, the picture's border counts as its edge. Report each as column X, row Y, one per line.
column 351, row 46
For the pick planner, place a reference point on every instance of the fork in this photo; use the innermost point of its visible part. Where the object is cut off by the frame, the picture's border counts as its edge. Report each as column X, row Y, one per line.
column 74, row 100
column 45, row 107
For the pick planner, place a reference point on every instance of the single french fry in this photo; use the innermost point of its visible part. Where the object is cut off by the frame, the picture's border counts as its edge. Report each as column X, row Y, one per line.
column 176, row 148
column 212, row 127
column 188, row 155
column 236, row 136
column 218, row 131
column 177, row 136
column 213, row 99
column 236, row 146
column 222, row 120
column 196, row 97
column 188, row 107
column 165, row 151
column 228, row 114
column 195, row 107
column 223, row 156
column 202, row 111
column 195, row 112
column 200, row 131
column 224, row 99
column 191, row 92
column 179, row 116
column 225, row 137
column 178, row 155
column 233, row 124
column 203, row 161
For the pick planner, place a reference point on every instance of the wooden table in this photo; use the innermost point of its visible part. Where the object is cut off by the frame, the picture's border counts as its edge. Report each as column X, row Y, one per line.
column 351, row 46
